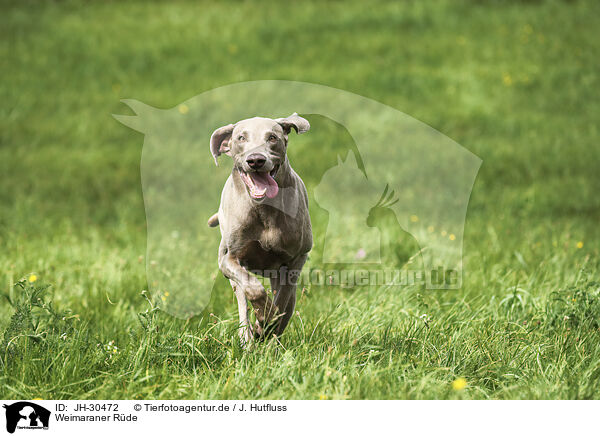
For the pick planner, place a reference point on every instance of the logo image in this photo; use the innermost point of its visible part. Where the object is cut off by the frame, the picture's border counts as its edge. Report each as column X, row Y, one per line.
column 26, row 415
column 388, row 196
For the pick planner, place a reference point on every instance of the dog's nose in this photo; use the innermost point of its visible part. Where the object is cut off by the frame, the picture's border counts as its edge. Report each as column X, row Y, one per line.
column 256, row 161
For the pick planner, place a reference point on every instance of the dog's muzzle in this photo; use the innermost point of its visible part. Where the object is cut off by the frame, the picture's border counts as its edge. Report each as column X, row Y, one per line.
column 260, row 184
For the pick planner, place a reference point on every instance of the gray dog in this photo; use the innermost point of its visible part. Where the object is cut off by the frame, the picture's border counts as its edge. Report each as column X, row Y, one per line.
column 264, row 220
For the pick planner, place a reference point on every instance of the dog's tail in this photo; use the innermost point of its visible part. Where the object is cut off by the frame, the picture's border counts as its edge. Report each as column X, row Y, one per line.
column 213, row 221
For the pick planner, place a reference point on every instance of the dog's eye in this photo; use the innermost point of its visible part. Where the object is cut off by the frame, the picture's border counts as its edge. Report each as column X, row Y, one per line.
column 241, row 138
column 272, row 138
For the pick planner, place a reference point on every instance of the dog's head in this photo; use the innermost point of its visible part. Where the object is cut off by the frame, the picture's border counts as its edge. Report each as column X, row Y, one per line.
column 257, row 147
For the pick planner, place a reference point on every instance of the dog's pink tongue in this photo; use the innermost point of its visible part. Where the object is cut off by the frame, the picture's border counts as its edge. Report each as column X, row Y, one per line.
column 265, row 181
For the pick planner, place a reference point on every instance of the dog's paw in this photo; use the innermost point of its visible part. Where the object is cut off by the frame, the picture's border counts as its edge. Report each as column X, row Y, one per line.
column 265, row 330
column 258, row 331
column 246, row 337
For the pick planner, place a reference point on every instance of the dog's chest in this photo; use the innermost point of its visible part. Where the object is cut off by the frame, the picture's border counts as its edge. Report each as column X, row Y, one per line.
column 274, row 239
column 254, row 256
column 266, row 248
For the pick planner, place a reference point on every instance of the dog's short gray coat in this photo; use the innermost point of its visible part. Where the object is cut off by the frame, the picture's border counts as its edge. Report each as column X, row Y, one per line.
column 269, row 236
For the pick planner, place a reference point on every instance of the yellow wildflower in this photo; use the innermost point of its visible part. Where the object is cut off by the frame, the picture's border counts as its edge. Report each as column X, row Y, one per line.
column 459, row 384
column 580, row 244
column 32, row 278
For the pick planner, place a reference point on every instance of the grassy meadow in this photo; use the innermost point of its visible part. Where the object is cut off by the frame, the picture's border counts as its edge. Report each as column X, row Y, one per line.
column 514, row 82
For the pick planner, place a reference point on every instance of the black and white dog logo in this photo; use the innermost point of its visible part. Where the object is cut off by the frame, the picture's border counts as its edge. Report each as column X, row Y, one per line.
column 26, row 415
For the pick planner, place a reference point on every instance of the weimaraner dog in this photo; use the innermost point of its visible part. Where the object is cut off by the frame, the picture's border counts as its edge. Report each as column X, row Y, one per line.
column 264, row 220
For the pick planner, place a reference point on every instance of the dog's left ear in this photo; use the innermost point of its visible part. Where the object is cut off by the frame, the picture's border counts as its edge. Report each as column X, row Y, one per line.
column 299, row 124
column 219, row 141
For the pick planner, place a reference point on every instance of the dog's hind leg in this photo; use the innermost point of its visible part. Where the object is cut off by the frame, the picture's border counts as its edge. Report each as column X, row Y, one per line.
column 285, row 298
column 262, row 329
column 286, row 306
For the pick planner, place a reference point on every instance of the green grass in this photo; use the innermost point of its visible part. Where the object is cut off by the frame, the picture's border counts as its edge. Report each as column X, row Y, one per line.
column 514, row 82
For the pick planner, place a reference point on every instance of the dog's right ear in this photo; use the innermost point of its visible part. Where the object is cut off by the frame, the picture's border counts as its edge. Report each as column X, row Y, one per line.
column 219, row 141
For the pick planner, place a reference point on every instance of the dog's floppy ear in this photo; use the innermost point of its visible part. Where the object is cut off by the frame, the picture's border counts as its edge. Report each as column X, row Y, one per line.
column 219, row 141
column 299, row 124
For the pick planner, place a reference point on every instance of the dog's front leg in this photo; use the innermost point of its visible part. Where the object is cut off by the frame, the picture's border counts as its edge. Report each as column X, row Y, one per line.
column 244, row 329
column 264, row 308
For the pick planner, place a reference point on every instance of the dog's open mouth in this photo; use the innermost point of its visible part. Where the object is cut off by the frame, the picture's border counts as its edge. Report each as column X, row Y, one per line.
column 261, row 184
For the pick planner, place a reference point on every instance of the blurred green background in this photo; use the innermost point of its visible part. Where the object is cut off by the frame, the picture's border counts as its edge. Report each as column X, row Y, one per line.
column 514, row 82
